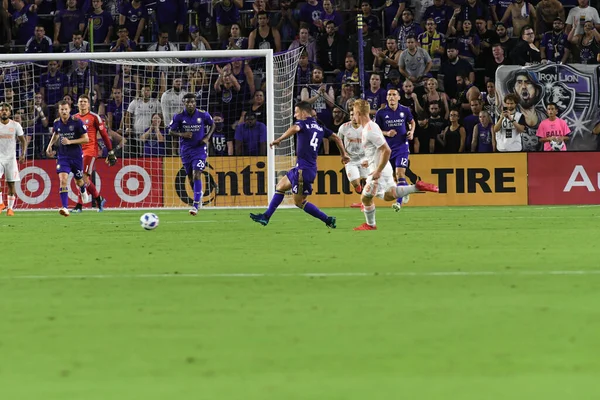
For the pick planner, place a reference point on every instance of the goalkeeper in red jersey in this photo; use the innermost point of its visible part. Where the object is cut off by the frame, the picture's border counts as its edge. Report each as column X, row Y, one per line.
column 94, row 125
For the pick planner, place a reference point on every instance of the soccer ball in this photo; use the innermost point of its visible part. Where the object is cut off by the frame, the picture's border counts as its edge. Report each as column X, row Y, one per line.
column 556, row 145
column 149, row 221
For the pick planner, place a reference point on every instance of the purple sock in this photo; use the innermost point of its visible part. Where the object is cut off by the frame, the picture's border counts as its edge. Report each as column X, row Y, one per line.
column 197, row 192
column 275, row 202
column 401, row 182
column 314, row 211
column 64, row 197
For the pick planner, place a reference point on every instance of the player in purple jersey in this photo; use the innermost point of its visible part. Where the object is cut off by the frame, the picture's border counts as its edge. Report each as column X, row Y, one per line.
column 70, row 134
column 190, row 127
column 300, row 178
column 393, row 120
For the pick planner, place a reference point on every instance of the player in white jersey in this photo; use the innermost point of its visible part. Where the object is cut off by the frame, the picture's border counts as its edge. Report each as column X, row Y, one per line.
column 351, row 135
column 9, row 132
column 380, row 182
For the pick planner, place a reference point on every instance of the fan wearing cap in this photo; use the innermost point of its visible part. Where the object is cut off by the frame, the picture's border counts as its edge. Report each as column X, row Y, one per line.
column 250, row 137
column 197, row 42
column 555, row 46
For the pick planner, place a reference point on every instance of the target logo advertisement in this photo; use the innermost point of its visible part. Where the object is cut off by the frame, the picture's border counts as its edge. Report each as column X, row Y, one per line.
column 134, row 184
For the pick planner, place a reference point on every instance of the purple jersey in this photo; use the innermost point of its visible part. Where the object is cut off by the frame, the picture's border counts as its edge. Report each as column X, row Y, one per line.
column 251, row 138
column 133, row 17
column 101, row 22
column 309, row 14
column 72, row 129
column 195, row 123
column 25, row 21
column 69, row 23
column 484, row 139
column 377, row 99
column 309, row 137
column 80, row 82
column 441, row 15
column 117, row 114
column 389, row 119
column 227, row 15
column 555, row 45
column 54, row 87
column 171, row 11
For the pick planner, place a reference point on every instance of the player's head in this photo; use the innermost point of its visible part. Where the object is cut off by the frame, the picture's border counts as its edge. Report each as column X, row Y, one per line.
column 303, row 110
column 393, row 96
column 510, row 101
column 83, row 104
column 64, row 109
column 189, row 102
column 361, row 108
column 552, row 110
column 5, row 110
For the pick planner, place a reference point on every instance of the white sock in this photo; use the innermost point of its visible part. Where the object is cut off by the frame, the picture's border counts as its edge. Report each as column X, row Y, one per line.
column 370, row 214
column 402, row 191
column 1, row 201
column 11, row 202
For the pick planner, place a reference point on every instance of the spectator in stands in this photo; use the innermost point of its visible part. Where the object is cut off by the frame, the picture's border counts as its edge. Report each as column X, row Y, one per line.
column 488, row 99
column 408, row 27
column 498, row 58
column 257, row 108
column 25, row 19
column 587, row 44
column 40, row 126
column 408, row 97
column 163, row 43
column 236, row 40
column 102, row 23
column 452, row 138
column 525, row 52
column 66, row 22
column 241, row 70
column 5, row 31
column 437, row 124
column 171, row 100
column 506, row 41
column 369, row 18
column 39, row 42
column 510, row 126
column 46, row 7
column 123, row 43
column 330, row 14
column 347, row 95
column 155, row 78
column 263, row 37
column 284, row 21
column 394, row 80
column 441, row 13
column 258, row 6
column 522, row 14
column 303, row 72
column 339, row 118
column 77, row 44
column 73, row 105
column 250, row 137
column 468, row 41
column 114, row 111
column 172, row 16
column 312, row 13
column 466, row 91
column 498, row 8
column 547, row 12
column 221, row 141
column 555, row 46
column 154, row 138
column 305, row 40
column 129, row 83
column 79, row 81
column 53, row 86
column 487, row 37
column 432, row 96
column 470, row 11
column 142, row 109
column 197, row 43
column 582, row 13
column 375, row 94
column 386, row 60
column 226, row 13
column 415, row 63
column 331, row 49
column 453, row 66
column 133, row 16
column 320, row 95
column 370, row 40
column 471, row 120
column 227, row 89
column 433, row 42
column 198, row 83
column 83, row 5
column 484, row 141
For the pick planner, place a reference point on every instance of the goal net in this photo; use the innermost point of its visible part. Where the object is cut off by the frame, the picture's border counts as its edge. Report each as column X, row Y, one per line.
column 248, row 93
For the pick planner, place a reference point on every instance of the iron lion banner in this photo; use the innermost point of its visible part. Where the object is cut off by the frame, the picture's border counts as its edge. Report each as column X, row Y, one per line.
column 574, row 89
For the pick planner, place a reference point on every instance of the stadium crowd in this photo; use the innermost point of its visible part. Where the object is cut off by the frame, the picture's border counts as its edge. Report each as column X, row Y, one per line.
column 442, row 54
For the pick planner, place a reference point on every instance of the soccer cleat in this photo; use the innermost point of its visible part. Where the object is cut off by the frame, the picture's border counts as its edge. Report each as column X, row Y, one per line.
column 260, row 218
column 405, row 199
column 426, row 187
column 64, row 212
column 78, row 208
column 85, row 197
column 365, row 227
column 397, row 207
column 330, row 222
column 100, row 202
column 10, row 212
column 194, row 211
column 356, row 205
column 2, row 207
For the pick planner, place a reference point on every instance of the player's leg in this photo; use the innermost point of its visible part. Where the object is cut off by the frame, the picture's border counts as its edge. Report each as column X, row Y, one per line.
column 353, row 174
column 63, row 178
column 11, row 198
column 372, row 188
column 397, row 192
column 414, row 178
column 77, row 170
column 301, row 192
column 2, row 205
column 11, row 170
column 197, row 168
column 283, row 186
column 401, row 162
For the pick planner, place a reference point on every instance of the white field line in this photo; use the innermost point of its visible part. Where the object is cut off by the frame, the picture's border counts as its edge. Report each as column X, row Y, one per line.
column 306, row 275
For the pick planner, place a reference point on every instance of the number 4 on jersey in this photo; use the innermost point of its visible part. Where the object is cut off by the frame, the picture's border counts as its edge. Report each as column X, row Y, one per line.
column 314, row 142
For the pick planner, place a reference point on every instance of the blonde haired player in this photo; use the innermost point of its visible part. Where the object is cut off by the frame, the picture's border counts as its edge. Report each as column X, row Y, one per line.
column 380, row 182
column 351, row 135
column 9, row 131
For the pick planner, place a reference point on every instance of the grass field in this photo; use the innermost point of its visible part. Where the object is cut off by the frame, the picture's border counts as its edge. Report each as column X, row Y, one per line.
column 439, row 303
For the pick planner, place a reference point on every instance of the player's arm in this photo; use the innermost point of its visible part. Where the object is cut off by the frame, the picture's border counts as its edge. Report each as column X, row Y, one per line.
column 23, row 145
column 53, row 140
column 208, row 135
column 384, row 158
column 292, row 130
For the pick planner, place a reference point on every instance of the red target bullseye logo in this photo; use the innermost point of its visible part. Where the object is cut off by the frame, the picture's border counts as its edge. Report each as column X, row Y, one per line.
column 133, row 184
column 35, row 185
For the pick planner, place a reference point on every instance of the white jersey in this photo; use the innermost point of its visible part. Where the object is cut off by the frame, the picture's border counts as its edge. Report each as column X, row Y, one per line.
column 372, row 140
column 142, row 112
column 8, row 139
column 171, row 103
column 352, row 139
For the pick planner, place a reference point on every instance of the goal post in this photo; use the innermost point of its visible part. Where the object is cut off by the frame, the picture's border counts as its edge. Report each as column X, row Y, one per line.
column 143, row 179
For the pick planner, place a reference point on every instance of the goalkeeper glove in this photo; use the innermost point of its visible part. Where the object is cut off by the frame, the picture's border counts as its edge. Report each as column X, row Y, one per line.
column 111, row 159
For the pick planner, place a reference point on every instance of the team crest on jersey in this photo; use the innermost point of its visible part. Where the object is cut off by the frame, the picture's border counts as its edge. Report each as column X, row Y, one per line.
column 198, row 120
column 401, row 115
column 71, row 128
column 57, row 166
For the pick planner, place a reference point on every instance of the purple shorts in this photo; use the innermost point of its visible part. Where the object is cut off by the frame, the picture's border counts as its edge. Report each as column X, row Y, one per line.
column 74, row 165
column 308, row 177
column 193, row 164
column 399, row 160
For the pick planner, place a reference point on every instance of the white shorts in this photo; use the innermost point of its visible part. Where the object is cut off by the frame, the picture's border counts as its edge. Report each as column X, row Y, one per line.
column 379, row 187
column 355, row 171
column 10, row 170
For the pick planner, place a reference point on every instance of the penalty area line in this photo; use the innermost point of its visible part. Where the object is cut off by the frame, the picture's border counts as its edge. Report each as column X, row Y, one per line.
column 305, row 275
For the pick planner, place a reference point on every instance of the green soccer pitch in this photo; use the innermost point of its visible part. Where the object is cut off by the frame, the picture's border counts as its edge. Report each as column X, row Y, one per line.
column 438, row 303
